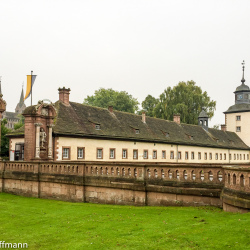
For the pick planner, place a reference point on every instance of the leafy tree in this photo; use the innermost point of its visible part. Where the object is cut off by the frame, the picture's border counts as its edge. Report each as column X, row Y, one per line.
column 20, row 123
column 149, row 105
column 186, row 99
column 4, row 139
column 121, row 101
column 216, row 126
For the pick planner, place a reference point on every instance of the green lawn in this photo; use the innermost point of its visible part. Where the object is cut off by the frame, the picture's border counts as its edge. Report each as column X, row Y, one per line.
column 48, row 224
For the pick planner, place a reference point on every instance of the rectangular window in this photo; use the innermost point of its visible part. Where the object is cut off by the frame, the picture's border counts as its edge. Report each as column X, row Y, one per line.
column 205, row 156
column 154, row 154
column 220, row 156
column 66, row 153
column 112, row 153
column 210, row 156
column 225, row 156
column 238, row 118
column 186, row 155
column 99, row 153
column 230, row 157
column 179, row 155
column 234, row 156
column 171, row 154
column 244, row 157
column 80, row 153
column 248, row 156
column 240, row 157
column 135, row 154
column 238, row 129
column 216, row 156
column 124, row 154
column 199, row 155
column 163, row 154
column 145, row 154
column 97, row 126
column 192, row 155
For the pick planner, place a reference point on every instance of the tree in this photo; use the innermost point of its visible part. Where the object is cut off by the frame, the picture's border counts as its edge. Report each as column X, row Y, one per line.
column 149, row 105
column 20, row 123
column 121, row 101
column 185, row 99
column 4, row 139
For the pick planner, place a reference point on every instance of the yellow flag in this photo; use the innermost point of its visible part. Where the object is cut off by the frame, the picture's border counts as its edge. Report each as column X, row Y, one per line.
column 30, row 83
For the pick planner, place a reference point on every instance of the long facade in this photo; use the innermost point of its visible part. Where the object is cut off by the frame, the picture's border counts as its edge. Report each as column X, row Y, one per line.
column 161, row 162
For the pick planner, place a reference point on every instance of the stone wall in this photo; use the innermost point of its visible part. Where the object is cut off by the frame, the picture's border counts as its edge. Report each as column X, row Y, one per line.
column 236, row 192
column 129, row 183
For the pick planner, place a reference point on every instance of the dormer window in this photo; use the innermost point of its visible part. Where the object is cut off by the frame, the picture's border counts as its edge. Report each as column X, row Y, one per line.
column 97, row 126
column 137, row 131
column 190, row 137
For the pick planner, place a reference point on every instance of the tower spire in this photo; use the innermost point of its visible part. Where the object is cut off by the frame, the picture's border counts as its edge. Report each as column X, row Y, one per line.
column 243, row 68
column 21, row 97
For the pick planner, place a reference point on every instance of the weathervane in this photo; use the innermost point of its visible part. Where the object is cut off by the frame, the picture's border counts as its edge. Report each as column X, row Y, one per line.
column 243, row 68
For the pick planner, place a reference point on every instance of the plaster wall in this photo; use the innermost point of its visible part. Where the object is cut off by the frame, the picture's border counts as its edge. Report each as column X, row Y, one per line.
column 232, row 123
column 91, row 145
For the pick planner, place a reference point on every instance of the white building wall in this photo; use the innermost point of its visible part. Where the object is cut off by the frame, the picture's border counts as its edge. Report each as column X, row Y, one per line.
column 232, row 123
column 91, row 145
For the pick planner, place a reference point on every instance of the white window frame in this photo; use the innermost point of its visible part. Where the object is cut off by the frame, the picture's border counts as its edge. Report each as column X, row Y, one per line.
column 80, row 153
column 99, row 153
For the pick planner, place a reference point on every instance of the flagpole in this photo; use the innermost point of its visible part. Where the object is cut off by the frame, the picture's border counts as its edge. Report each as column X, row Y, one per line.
column 31, row 87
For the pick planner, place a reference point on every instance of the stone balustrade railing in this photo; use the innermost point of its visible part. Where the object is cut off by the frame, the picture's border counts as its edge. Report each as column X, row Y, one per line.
column 183, row 180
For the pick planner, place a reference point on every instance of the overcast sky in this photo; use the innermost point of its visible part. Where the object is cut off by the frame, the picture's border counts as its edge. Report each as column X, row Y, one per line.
column 140, row 46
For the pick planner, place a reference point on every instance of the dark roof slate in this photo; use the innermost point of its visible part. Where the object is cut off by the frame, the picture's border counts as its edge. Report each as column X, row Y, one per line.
column 80, row 120
column 11, row 115
column 241, row 107
column 242, row 87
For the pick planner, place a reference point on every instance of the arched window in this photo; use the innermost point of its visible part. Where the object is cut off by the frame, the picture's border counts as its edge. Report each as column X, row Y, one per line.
column 193, row 175
column 228, row 179
column 220, row 176
column 117, row 171
column 135, row 172
column 162, row 174
column 129, row 172
column 242, row 180
column 185, row 175
column 202, row 175
column 210, row 175
column 155, row 173
column 234, row 179
column 177, row 175
column 170, row 174
column 149, row 174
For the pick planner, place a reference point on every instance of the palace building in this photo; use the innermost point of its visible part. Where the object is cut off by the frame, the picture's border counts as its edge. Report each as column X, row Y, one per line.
column 71, row 151
column 71, row 131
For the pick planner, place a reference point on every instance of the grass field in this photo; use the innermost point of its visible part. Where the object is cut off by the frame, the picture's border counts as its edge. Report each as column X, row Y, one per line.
column 48, row 224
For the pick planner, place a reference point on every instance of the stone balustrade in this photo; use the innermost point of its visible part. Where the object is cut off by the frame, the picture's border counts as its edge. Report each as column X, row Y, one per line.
column 133, row 184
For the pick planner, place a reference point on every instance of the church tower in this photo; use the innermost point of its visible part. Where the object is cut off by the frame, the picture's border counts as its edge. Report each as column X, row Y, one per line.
column 237, row 117
column 20, row 107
